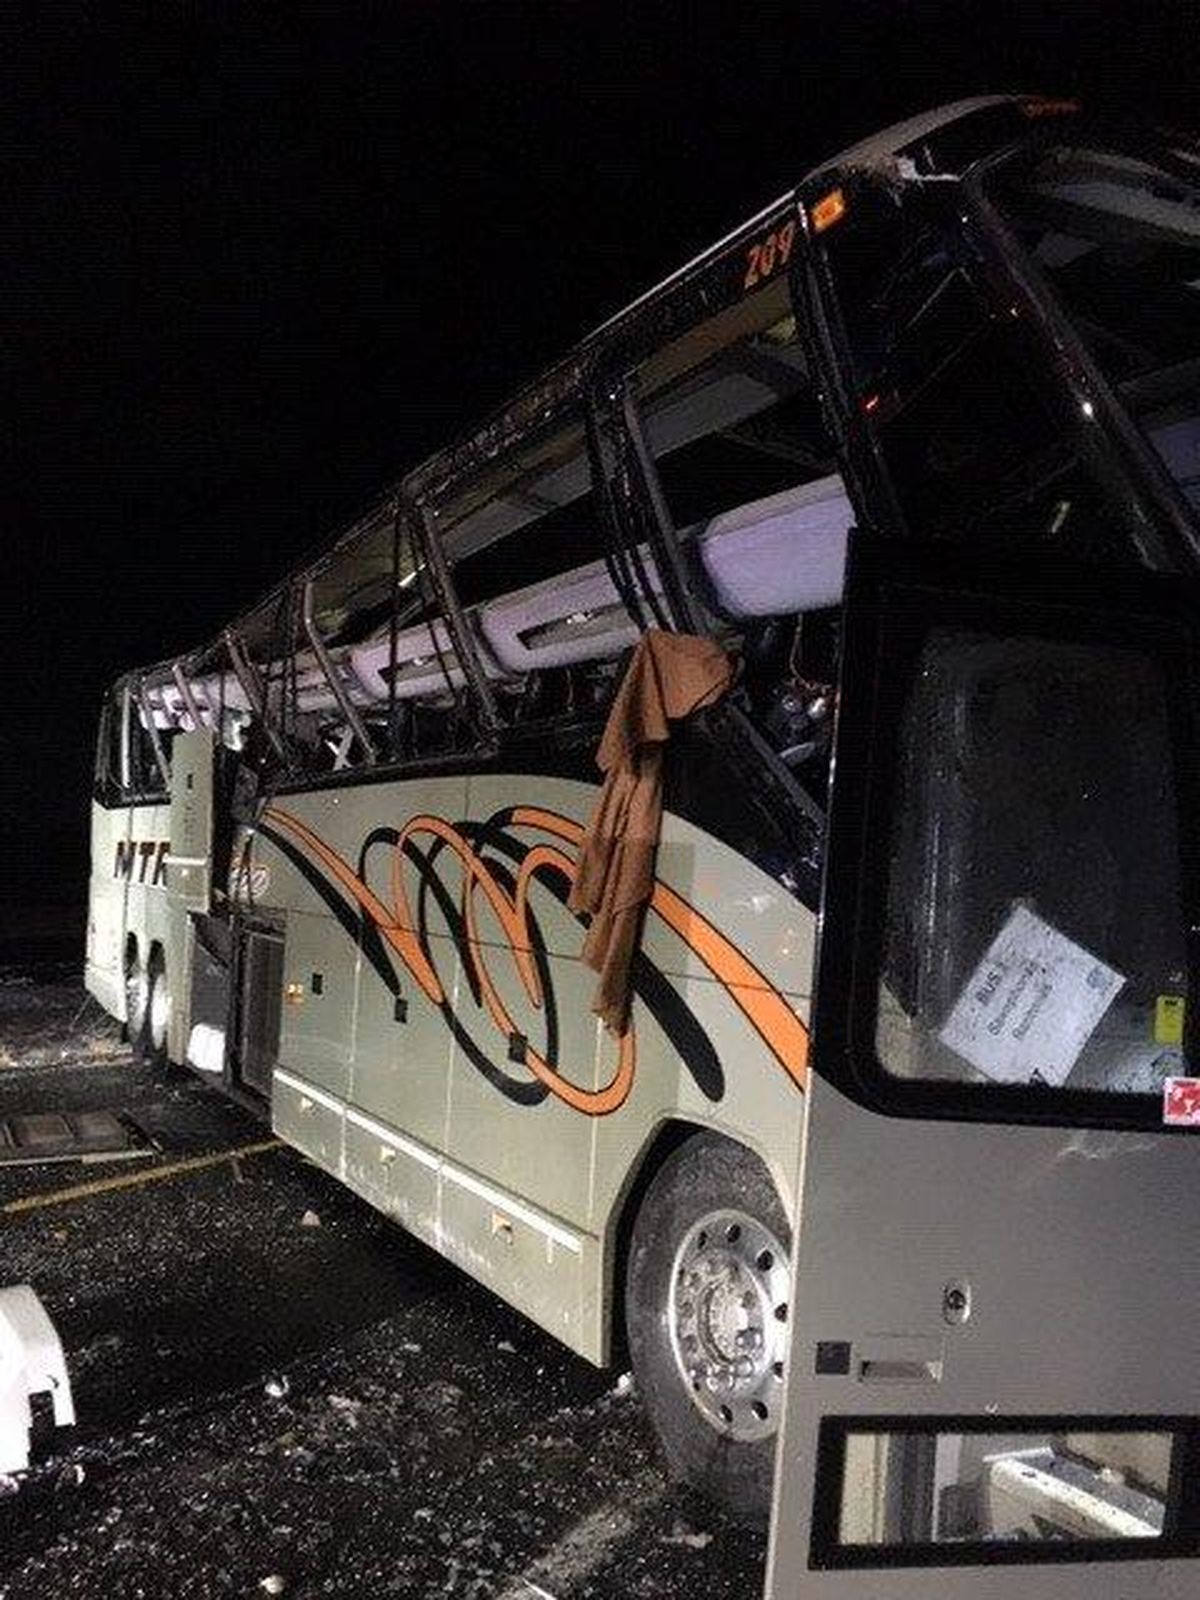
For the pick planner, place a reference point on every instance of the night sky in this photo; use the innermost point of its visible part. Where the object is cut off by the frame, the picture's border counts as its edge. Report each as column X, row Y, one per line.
column 259, row 260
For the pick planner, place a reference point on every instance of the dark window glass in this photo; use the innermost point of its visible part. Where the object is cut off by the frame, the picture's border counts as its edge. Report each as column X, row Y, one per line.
column 956, row 389
column 1033, row 924
column 145, row 775
column 108, row 772
column 1119, row 240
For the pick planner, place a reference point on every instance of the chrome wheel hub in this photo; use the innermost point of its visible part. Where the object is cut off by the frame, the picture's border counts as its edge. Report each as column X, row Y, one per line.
column 728, row 1320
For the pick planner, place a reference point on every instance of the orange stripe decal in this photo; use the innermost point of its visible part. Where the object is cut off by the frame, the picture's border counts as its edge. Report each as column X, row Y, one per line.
column 767, row 1011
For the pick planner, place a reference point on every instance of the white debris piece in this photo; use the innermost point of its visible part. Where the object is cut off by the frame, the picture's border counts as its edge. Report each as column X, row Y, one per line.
column 686, row 1536
column 31, row 1362
column 310, row 1219
column 273, row 1583
column 276, row 1388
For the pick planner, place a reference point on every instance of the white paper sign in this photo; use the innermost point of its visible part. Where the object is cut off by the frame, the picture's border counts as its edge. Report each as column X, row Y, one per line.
column 1031, row 1004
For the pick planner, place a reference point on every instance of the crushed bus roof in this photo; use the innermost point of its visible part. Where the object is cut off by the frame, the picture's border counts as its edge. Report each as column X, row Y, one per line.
column 617, row 338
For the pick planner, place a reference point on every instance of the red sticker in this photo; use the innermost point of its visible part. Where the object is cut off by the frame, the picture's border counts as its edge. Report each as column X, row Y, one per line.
column 1181, row 1102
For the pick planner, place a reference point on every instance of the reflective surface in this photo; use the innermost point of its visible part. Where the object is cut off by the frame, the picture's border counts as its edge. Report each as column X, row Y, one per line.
column 1033, row 926
column 963, row 1488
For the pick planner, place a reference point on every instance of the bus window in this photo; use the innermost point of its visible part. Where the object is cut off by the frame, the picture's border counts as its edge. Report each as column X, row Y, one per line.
column 1031, row 936
column 526, row 545
column 909, row 1487
column 742, row 421
column 748, row 471
column 395, row 695
column 108, row 784
column 145, row 774
column 1119, row 240
column 944, row 371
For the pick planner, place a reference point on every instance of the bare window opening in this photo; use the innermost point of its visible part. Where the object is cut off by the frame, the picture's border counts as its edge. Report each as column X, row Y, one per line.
column 733, row 420
column 528, row 548
column 1119, row 240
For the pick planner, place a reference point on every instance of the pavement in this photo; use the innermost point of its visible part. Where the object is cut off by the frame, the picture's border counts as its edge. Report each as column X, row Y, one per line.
column 280, row 1392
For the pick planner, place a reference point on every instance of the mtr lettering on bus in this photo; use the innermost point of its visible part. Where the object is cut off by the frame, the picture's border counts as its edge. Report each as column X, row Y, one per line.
column 877, row 1185
column 141, row 860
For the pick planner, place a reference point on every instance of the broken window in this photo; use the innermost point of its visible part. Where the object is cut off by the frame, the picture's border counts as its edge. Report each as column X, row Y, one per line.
column 733, row 420
column 533, row 575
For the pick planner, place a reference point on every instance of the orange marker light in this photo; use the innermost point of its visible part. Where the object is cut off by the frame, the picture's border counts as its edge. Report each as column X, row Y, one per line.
column 829, row 209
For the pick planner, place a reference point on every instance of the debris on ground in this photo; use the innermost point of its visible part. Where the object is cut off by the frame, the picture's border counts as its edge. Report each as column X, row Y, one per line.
column 693, row 1539
column 406, row 1460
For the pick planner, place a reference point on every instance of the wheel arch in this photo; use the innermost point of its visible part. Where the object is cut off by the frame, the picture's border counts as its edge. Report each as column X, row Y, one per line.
column 662, row 1141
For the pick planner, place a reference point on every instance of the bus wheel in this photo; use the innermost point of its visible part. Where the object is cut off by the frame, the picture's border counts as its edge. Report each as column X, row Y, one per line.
column 158, row 1009
column 707, row 1301
column 137, row 1003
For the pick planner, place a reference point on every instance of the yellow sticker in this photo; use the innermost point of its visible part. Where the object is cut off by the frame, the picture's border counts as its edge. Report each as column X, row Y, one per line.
column 1168, row 1019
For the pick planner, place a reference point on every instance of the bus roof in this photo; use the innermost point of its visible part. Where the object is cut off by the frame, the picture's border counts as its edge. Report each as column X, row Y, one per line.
column 620, row 335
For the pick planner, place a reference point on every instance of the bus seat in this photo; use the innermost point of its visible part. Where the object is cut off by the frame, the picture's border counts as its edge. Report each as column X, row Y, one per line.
column 783, row 554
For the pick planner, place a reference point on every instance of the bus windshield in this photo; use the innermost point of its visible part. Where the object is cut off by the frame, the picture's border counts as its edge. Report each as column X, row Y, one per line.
column 1118, row 237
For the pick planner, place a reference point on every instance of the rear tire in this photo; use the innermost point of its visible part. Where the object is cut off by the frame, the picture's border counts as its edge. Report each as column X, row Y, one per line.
column 137, row 1004
column 158, row 1010
column 707, row 1295
column 147, row 1009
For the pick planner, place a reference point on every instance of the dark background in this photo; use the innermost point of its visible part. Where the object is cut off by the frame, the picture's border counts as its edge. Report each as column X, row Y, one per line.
column 258, row 260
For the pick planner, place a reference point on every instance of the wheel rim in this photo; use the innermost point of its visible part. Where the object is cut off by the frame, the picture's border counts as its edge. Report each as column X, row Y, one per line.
column 160, row 1011
column 727, row 1315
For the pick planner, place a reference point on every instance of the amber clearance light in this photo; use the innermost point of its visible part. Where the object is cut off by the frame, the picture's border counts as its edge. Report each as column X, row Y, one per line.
column 829, row 209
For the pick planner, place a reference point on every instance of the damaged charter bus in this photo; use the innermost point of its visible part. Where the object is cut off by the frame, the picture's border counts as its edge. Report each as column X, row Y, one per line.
column 918, row 446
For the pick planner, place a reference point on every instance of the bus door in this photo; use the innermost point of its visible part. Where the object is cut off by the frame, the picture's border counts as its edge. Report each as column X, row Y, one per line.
column 993, row 1389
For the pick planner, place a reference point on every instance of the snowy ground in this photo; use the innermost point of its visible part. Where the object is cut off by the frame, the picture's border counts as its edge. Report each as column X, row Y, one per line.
column 268, row 1406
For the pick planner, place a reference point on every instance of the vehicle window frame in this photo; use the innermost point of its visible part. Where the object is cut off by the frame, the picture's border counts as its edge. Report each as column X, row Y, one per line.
column 580, row 409
column 1107, row 441
column 1170, row 536
column 946, row 586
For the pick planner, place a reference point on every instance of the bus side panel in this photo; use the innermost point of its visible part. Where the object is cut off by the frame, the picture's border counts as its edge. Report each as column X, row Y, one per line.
column 320, row 986
column 532, row 1002
column 486, row 1107
column 104, row 972
column 374, row 1114
column 737, row 956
